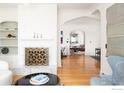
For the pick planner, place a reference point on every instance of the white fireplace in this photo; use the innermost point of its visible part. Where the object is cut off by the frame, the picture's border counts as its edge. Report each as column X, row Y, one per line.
column 39, row 23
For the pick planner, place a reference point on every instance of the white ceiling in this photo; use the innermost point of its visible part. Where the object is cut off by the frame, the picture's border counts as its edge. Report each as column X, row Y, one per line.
column 7, row 5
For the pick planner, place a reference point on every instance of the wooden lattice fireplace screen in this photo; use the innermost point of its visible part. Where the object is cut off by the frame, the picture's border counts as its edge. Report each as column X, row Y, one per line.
column 36, row 56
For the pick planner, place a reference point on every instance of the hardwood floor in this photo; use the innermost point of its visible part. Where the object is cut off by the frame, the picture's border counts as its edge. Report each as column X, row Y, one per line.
column 75, row 70
column 15, row 78
column 78, row 70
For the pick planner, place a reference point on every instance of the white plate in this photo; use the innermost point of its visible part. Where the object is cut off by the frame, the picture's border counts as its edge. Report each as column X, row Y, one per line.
column 36, row 82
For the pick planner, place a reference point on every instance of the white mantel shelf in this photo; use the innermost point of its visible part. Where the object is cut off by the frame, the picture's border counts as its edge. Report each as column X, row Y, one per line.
column 26, row 39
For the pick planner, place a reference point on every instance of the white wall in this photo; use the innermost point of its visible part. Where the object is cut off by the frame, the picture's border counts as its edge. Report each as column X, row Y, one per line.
column 65, row 14
column 8, row 12
column 68, row 14
column 91, row 35
column 41, row 19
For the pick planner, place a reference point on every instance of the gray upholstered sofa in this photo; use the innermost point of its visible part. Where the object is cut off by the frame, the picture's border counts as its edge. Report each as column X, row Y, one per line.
column 117, row 78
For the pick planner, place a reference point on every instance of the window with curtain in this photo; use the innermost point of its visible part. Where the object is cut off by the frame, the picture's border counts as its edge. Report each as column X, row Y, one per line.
column 115, row 30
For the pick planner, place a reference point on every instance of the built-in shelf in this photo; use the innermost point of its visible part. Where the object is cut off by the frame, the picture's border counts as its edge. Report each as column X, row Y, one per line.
column 8, row 46
column 8, row 30
column 4, row 38
column 8, row 55
column 8, row 38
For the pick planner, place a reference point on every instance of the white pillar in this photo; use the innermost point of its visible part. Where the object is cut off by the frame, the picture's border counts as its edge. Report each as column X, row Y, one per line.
column 105, row 68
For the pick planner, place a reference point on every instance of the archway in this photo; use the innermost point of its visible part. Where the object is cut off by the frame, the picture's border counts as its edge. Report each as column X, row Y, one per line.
column 85, row 28
column 77, row 42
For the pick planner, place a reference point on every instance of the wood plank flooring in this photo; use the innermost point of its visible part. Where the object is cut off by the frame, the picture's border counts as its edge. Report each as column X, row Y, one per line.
column 78, row 70
column 15, row 78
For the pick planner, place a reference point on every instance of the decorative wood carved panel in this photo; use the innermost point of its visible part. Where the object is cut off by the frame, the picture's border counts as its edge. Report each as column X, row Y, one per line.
column 36, row 56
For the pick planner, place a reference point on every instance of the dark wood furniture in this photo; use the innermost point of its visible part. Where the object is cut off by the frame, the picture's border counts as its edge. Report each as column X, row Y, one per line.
column 75, row 49
column 25, row 81
column 97, row 52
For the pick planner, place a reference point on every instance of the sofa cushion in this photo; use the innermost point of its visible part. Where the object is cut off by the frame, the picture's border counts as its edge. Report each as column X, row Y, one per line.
column 4, row 73
column 3, row 65
column 5, row 77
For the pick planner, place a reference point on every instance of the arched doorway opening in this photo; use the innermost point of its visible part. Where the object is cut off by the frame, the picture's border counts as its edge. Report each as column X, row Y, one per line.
column 77, row 42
